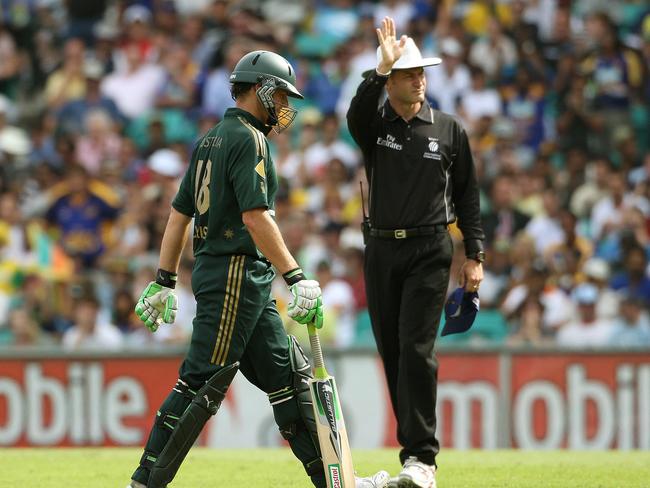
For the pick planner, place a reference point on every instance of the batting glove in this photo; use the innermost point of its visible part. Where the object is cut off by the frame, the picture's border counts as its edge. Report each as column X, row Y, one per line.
column 158, row 302
column 306, row 306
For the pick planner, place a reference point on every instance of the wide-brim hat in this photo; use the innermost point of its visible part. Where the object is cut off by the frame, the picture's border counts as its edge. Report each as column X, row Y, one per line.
column 460, row 311
column 411, row 58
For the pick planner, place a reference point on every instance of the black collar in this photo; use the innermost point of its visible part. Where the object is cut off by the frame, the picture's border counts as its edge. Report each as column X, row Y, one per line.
column 250, row 118
column 425, row 113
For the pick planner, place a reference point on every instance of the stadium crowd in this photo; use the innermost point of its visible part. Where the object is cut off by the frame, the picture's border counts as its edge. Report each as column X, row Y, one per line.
column 101, row 102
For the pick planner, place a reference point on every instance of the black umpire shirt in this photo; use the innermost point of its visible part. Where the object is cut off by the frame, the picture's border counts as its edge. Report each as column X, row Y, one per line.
column 421, row 172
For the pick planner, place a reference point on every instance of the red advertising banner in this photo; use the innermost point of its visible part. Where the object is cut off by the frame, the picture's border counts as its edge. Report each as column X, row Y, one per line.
column 468, row 399
column 581, row 402
column 59, row 402
column 485, row 400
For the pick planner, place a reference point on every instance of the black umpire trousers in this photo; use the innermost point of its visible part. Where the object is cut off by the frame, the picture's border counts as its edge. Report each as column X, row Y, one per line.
column 406, row 285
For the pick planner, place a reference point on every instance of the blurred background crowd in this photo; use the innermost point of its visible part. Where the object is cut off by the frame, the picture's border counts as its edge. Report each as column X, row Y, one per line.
column 101, row 103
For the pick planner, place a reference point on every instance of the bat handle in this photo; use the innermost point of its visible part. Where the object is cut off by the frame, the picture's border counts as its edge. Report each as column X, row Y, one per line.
column 316, row 351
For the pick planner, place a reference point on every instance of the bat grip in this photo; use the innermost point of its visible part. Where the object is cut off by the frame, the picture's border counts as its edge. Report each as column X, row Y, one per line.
column 316, row 350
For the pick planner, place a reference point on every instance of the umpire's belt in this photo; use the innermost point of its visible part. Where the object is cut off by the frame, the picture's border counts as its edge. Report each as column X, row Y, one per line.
column 425, row 230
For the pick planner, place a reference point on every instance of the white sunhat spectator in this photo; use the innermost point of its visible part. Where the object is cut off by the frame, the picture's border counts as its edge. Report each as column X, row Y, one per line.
column 588, row 331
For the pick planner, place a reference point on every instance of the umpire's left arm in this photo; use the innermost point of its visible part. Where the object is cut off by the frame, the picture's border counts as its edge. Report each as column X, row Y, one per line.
column 465, row 195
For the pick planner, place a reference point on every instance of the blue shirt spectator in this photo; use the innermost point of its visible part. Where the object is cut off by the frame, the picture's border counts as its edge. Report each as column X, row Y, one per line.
column 79, row 213
column 634, row 280
column 632, row 328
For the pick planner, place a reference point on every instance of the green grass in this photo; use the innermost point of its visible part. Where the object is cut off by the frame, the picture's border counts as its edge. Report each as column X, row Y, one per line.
column 111, row 467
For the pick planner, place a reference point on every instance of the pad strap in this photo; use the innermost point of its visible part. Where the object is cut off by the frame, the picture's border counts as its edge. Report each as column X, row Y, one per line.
column 148, row 459
column 314, row 467
column 167, row 421
column 281, row 396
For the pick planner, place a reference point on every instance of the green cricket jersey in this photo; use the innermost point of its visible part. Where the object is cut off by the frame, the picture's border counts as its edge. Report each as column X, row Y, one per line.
column 231, row 171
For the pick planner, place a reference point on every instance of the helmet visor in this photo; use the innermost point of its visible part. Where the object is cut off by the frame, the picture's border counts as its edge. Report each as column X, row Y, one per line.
column 285, row 116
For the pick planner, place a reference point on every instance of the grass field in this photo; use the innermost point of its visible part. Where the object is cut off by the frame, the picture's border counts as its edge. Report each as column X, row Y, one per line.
column 208, row 468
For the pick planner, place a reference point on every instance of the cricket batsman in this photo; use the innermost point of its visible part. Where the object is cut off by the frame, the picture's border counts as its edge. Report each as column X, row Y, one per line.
column 228, row 194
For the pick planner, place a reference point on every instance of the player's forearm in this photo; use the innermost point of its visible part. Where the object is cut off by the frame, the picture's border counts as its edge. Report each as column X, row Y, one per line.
column 267, row 238
column 174, row 240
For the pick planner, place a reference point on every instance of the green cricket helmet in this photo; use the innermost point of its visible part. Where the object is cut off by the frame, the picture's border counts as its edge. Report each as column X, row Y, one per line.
column 272, row 72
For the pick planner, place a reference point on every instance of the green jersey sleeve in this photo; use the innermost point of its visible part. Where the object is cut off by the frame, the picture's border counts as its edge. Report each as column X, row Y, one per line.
column 247, row 172
column 183, row 201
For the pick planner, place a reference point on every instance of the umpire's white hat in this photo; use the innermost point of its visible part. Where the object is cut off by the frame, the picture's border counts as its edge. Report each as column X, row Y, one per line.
column 411, row 58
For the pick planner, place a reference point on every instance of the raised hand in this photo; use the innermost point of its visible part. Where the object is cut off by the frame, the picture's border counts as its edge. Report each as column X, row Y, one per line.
column 391, row 48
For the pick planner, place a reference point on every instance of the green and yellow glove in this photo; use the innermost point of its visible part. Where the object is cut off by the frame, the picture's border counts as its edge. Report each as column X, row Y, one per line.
column 306, row 304
column 158, row 302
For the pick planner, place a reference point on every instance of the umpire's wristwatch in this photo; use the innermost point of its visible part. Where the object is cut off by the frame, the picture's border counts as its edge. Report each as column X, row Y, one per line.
column 477, row 256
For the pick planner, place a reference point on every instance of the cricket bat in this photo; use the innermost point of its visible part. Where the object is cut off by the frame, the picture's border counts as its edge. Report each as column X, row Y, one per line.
column 332, row 436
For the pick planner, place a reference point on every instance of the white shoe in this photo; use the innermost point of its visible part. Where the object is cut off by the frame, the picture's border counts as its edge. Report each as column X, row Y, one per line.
column 135, row 484
column 416, row 474
column 377, row 480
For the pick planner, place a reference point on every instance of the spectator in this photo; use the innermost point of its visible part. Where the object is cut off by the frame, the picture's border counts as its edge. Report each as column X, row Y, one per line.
column 634, row 279
column 216, row 89
column 15, row 247
column 615, row 70
column 329, row 147
column 535, row 308
column 545, row 228
column 525, row 104
column 479, row 100
column 10, row 62
column 502, row 221
column 340, row 313
column 565, row 259
column 400, row 11
column 607, row 214
column 495, row 53
column 448, row 83
column 597, row 272
column 593, row 190
column 82, row 18
column 79, row 209
column 23, row 330
column 134, row 88
column 632, row 328
column 99, row 144
column 73, row 113
column 588, row 331
column 68, row 82
column 178, row 89
column 136, row 23
column 87, row 331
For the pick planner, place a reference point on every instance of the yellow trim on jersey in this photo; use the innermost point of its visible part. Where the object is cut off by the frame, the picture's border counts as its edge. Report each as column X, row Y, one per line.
column 260, row 142
column 225, row 312
column 225, row 348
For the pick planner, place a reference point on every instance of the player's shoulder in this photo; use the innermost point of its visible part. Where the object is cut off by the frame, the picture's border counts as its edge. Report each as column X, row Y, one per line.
column 242, row 133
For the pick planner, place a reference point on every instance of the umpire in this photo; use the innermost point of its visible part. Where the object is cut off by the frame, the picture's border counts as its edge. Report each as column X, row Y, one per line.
column 422, row 178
